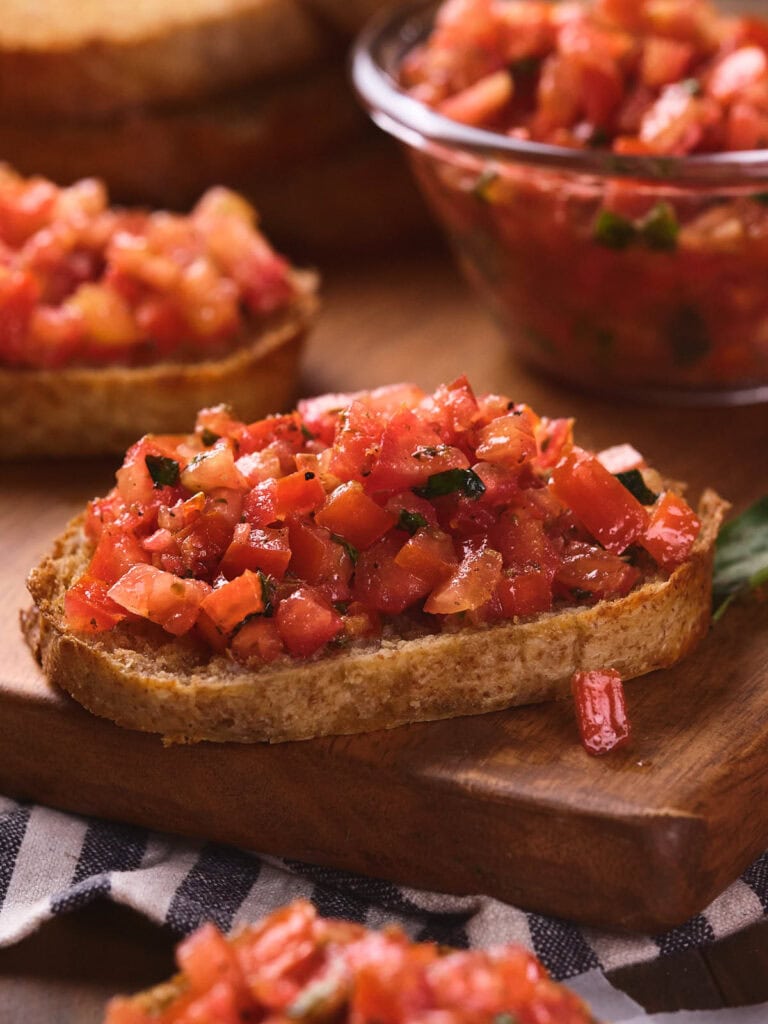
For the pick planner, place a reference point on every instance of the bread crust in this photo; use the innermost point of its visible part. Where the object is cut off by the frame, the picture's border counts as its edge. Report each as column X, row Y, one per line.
column 141, row 678
column 101, row 410
column 90, row 58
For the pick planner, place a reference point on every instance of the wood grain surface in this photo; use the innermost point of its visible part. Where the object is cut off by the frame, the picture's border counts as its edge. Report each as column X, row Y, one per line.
column 507, row 804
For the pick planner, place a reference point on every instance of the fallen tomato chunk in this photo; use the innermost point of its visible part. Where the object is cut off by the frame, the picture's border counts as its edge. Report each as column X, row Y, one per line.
column 601, row 712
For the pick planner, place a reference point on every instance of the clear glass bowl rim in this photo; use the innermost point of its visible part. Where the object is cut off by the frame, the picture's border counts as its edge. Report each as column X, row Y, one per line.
column 391, row 33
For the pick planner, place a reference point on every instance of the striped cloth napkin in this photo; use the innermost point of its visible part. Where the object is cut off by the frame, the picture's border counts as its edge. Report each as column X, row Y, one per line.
column 52, row 862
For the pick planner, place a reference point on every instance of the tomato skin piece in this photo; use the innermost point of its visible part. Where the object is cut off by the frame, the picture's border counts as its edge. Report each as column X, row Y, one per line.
column 253, row 549
column 471, row 585
column 601, row 712
column 307, row 621
column 161, row 597
column 672, row 531
column 380, row 583
column 601, row 502
column 89, row 609
column 349, row 512
column 230, row 604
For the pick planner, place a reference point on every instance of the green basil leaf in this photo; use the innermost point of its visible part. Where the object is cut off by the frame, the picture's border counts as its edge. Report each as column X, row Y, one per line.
column 613, row 231
column 268, row 588
column 451, row 480
column 351, row 550
column 741, row 553
column 633, row 480
column 164, row 471
column 410, row 521
column 208, row 437
column 659, row 228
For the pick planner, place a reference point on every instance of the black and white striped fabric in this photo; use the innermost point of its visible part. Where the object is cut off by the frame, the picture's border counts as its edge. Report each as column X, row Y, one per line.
column 52, row 862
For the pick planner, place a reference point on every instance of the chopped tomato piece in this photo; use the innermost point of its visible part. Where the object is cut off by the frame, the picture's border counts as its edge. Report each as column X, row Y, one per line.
column 601, row 711
column 429, row 554
column 472, row 584
column 297, row 494
column 212, row 469
column 257, row 639
column 230, row 604
column 307, row 621
column 524, row 593
column 161, row 597
column 590, row 573
column 353, row 515
column 89, row 609
column 481, row 102
column 410, row 453
column 116, row 551
column 253, row 549
column 672, row 531
column 380, row 583
column 319, row 559
column 508, row 440
column 260, row 504
column 602, row 503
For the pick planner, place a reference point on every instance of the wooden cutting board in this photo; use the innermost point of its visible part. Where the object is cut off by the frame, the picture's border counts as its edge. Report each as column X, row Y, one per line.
column 505, row 804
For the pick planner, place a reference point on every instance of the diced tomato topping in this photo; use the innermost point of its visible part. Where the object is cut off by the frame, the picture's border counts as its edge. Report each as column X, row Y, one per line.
column 82, row 284
column 161, row 597
column 424, row 528
column 602, row 503
column 380, row 583
column 672, row 531
column 229, row 605
column 88, row 607
column 601, row 711
column 306, row 622
column 353, row 515
column 472, row 584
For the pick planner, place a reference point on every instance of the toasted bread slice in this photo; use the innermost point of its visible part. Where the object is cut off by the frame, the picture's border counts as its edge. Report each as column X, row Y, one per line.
column 90, row 411
column 142, row 678
column 91, row 57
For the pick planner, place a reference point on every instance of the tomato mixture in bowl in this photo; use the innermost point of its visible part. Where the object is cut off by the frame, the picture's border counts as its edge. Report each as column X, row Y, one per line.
column 600, row 169
column 386, row 513
column 83, row 284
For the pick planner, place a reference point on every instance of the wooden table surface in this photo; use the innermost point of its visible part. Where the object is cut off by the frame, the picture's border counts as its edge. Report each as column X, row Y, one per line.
column 414, row 319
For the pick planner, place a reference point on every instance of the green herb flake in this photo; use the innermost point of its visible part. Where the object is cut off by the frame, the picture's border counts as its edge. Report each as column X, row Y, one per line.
column 164, row 471
column 208, row 437
column 308, row 435
column 525, row 67
column 450, row 480
column 613, row 231
column 268, row 588
column 692, row 86
column 410, row 521
column 659, row 228
column 351, row 550
column 505, row 1018
column 741, row 553
column 688, row 336
column 481, row 190
column 633, row 480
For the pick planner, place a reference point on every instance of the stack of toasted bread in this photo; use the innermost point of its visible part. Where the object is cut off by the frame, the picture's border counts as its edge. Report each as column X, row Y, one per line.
column 163, row 99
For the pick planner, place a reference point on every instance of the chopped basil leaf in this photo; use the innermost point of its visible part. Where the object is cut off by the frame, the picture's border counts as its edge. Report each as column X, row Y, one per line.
column 692, row 86
column 267, row 593
column 450, row 480
column 659, row 228
column 613, row 231
column 525, row 67
column 351, row 550
column 636, row 485
column 481, row 188
column 208, row 437
column 760, row 197
column 741, row 552
column 688, row 336
column 410, row 521
column 505, row 1018
column 309, row 436
column 164, row 471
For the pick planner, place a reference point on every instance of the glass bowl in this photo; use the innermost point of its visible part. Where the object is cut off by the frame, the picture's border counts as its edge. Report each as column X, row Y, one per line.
column 638, row 276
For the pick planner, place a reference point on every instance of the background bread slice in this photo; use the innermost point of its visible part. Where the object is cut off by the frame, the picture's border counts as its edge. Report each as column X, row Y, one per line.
column 143, row 679
column 85, row 58
column 89, row 411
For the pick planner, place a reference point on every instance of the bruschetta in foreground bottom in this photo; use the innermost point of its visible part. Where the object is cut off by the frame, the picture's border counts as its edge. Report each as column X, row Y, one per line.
column 367, row 561
column 296, row 966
